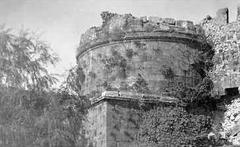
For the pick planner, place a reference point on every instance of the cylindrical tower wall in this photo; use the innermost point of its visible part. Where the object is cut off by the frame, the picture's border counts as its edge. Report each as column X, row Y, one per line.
column 115, row 57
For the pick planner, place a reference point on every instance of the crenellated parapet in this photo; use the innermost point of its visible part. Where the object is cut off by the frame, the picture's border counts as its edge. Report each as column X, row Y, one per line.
column 126, row 50
column 126, row 27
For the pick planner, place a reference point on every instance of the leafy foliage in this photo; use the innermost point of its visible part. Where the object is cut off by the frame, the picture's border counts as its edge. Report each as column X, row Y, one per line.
column 202, row 66
column 196, row 94
column 106, row 16
column 167, row 126
column 41, row 119
column 75, row 105
column 140, row 85
column 177, row 126
column 167, row 72
column 129, row 53
column 31, row 113
column 174, row 126
column 23, row 61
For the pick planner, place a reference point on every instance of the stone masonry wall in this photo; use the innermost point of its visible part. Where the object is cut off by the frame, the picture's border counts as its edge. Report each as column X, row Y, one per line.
column 119, row 66
column 97, row 125
column 113, row 119
column 225, row 37
column 116, row 26
column 140, row 55
column 122, row 124
column 113, row 123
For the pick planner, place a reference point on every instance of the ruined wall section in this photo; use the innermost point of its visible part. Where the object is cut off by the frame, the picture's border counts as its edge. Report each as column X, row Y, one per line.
column 117, row 27
column 225, row 38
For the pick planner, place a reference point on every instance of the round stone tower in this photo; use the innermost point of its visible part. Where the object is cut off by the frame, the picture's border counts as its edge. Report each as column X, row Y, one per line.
column 128, row 58
column 138, row 54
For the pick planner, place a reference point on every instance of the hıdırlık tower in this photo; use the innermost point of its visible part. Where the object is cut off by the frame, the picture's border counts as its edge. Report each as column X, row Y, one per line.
column 127, row 59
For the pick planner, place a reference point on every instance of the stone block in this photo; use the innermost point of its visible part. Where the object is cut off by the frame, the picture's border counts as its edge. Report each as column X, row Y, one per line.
column 154, row 19
column 185, row 24
column 144, row 19
column 222, row 16
column 169, row 21
column 110, row 93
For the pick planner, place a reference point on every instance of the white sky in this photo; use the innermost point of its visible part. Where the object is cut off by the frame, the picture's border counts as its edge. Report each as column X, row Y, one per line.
column 63, row 21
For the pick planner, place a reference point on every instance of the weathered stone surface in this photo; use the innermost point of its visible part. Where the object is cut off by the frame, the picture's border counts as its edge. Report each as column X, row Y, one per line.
column 135, row 97
column 121, row 63
column 96, row 125
column 226, row 72
column 127, row 48
column 169, row 21
column 186, row 24
column 231, row 124
column 155, row 20
column 222, row 16
column 113, row 119
column 116, row 26
column 225, row 40
column 133, row 60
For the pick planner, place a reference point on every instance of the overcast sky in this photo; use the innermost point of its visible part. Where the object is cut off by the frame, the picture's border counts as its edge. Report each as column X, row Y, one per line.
column 63, row 21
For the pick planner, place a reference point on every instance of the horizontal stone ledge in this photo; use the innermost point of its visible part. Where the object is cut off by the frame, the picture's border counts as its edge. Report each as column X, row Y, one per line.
column 132, row 96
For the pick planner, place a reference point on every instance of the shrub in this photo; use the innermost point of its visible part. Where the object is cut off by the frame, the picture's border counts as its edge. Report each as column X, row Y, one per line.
column 167, row 72
column 140, row 85
column 129, row 53
column 174, row 126
column 106, row 16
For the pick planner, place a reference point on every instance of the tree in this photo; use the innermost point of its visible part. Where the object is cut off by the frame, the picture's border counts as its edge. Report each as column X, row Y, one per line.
column 32, row 114
column 24, row 83
column 23, row 61
column 75, row 107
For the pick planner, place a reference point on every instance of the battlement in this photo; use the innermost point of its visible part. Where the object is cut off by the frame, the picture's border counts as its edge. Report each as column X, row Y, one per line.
column 117, row 28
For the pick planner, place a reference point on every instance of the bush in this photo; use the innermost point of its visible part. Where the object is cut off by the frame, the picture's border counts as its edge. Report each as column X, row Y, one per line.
column 140, row 85
column 106, row 16
column 191, row 95
column 174, row 126
column 167, row 72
